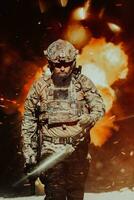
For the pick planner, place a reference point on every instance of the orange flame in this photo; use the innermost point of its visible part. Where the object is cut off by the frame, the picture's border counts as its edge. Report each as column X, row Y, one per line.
column 102, row 131
column 103, row 63
column 77, row 34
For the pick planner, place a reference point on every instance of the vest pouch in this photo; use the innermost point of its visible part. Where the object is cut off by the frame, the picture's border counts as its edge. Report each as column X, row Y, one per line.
column 62, row 111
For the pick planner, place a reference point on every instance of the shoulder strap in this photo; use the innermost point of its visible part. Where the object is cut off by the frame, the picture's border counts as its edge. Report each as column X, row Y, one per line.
column 78, row 82
column 45, row 82
column 85, row 83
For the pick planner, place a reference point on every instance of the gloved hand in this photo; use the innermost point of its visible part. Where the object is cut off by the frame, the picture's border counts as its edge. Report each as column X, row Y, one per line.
column 30, row 159
column 27, row 169
column 29, row 166
column 84, row 121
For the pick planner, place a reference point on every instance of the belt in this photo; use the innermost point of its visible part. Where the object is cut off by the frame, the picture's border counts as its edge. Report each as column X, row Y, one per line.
column 64, row 140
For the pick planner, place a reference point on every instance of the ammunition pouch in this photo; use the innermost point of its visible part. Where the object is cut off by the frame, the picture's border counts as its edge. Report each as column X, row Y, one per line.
column 62, row 111
column 59, row 112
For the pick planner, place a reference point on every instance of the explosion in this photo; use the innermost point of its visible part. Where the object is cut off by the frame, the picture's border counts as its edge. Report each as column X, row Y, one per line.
column 104, row 63
column 77, row 34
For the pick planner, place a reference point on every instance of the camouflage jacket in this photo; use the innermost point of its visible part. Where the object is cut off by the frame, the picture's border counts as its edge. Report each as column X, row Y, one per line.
column 86, row 93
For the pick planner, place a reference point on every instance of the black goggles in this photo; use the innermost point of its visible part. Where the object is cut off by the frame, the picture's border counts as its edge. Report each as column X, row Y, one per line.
column 60, row 64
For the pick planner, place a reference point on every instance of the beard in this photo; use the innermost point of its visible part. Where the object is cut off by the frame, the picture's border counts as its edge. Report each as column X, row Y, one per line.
column 62, row 79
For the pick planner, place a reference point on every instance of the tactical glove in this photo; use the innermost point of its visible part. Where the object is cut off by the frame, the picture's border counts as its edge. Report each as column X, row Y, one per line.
column 29, row 166
column 27, row 169
column 30, row 159
column 85, row 121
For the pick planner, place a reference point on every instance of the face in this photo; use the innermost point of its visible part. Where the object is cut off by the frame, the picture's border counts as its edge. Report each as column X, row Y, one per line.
column 63, row 69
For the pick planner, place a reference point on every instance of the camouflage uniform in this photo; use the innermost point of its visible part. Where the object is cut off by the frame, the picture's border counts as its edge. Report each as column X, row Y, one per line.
column 60, row 127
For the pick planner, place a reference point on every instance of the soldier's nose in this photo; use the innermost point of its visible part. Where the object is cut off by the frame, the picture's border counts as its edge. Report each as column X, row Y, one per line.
column 62, row 68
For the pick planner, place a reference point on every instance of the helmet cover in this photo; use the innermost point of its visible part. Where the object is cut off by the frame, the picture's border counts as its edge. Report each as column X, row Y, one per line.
column 61, row 50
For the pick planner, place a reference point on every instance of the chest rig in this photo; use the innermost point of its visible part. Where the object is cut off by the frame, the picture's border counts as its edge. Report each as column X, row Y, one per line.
column 62, row 104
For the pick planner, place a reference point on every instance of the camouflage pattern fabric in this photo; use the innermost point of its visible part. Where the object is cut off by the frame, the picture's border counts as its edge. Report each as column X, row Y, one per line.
column 61, row 50
column 87, row 95
column 66, row 180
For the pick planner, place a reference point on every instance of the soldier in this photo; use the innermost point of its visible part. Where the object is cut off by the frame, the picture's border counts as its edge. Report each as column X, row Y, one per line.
column 69, row 106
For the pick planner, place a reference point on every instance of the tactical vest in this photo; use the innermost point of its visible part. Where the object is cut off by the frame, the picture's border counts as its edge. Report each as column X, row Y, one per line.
column 62, row 104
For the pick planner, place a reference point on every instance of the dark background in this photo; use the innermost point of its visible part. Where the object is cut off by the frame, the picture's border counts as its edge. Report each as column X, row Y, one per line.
column 24, row 32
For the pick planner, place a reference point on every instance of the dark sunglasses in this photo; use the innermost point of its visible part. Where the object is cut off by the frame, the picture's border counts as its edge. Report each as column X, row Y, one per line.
column 62, row 63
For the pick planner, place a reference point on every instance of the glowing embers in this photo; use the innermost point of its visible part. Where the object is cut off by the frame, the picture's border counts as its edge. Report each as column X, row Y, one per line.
column 77, row 34
column 114, row 27
column 9, row 106
column 81, row 13
column 63, row 3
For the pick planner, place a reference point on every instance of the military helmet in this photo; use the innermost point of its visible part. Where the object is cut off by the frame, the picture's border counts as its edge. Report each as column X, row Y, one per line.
column 61, row 50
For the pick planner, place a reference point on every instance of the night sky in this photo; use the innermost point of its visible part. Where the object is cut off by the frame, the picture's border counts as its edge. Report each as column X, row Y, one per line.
column 26, row 29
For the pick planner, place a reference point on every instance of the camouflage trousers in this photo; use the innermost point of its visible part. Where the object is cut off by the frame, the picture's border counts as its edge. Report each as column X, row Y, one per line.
column 66, row 180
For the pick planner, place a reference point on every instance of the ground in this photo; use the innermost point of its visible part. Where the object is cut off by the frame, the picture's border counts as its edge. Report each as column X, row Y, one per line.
column 124, row 194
